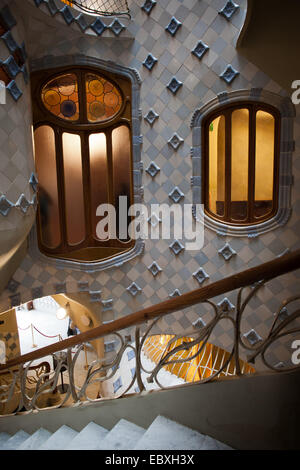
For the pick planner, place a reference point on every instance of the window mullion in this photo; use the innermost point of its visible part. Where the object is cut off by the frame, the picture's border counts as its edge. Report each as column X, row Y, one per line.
column 251, row 172
column 110, row 175
column 227, row 212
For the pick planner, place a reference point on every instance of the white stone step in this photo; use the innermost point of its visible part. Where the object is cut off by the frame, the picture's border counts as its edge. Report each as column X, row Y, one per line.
column 16, row 440
column 36, row 440
column 123, row 436
column 4, row 436
column 212, row 444
column 88, row 438
column 164, row 434
column 60, row 439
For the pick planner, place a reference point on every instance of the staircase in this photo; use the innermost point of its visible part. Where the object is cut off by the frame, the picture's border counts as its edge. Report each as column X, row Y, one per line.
column 162, row 434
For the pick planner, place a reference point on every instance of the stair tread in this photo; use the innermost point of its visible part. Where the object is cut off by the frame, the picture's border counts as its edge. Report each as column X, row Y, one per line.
column 60, row 439
column 213, row 444
column 165, row 434
column 16, row 440
column 88, row 438
column 123, row 436
column 36, row 440
column 4, row 436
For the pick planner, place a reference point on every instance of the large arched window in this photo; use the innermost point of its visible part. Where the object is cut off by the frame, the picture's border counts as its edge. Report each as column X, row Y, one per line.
column 241, row 162
column 82, row 138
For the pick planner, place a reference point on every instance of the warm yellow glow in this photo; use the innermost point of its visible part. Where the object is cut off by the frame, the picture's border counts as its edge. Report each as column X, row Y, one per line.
column 45, row 163
column 73, row 188
column 61, row 313
column 206, row 363
column 264, row 161
column 98, row 174
column 216, row 164
column 239, row 155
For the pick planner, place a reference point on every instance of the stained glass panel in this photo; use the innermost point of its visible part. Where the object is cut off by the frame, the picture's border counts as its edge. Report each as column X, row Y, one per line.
column 60, row 97
column 103, row 98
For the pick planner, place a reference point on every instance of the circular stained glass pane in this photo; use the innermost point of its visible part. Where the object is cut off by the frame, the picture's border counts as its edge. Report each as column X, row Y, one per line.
column 60, row 97
column 103, row 98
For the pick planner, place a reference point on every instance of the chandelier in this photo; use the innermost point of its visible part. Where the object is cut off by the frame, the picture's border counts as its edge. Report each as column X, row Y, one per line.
column 100, row 7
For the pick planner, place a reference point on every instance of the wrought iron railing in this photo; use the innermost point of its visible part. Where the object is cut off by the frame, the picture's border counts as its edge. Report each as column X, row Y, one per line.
column 103, row 377
column 101, row 7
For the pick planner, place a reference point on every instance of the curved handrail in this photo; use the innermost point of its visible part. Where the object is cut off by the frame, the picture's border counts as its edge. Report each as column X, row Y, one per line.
column 264, row 272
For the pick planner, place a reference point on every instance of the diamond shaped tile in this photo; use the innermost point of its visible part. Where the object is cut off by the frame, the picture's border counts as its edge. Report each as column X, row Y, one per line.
column 227, row 252
column 200, row 49
column 229, row 74
column 225, row 306
column 13, row 285
column 150, row 61
column 9, row 42
column 283, row 314
column 154, row 220
column 134, row 289
column 252, row 337
column 67, row 15
column 151, row 117
column 173, row 26
column 148, row 5
column 107, row 304
column 82, row 23
column 153, row 169
column 229, row 9
column 6, row 18
column 83, row 286
column 14, row 90
column 95, row 296
column 175, row 293
column 199, row 323
column 98, row 26
column 11, row 67
column 200, row 275
column 60, row 287
column 37, row 292
column 5, row 205
column 176, row 247
column 25, row 74
column 176, row 194
column 52, row 7
column 174, row 85
column 23, row 204
column 154, row 268
column 33, row 182
column 117, row 27
column 175, row 141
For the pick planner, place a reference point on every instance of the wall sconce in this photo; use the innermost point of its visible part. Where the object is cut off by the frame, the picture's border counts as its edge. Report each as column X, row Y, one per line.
column 61, row 313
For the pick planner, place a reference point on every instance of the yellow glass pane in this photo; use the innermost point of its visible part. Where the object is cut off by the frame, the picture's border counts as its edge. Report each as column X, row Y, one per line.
column 73, row 188
column 264, row 163
column 98, row 175
column 103, row 98
column 216, row 166
column 121, row 160
column 60, row 97
column 239, row 164
column 45, row 164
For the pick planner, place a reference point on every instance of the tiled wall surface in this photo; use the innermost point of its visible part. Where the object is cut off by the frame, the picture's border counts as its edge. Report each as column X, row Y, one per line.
column 160, row 55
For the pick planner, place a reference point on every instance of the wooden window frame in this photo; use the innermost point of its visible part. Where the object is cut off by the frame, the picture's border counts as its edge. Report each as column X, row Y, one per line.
column 227, row 111
column 42, row 116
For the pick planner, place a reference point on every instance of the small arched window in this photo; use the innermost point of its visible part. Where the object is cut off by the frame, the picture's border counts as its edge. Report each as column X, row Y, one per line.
column 82, row 137
column 241, row 163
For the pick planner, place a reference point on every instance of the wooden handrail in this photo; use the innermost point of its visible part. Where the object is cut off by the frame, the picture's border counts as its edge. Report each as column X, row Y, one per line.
column 265, row 271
